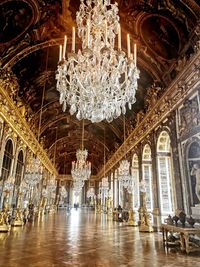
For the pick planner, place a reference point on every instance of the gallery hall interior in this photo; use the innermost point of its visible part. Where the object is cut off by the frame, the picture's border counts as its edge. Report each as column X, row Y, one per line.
column 99, row 133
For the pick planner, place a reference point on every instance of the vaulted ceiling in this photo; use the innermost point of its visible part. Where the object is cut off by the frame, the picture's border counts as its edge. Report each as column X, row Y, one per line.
column 30, row 32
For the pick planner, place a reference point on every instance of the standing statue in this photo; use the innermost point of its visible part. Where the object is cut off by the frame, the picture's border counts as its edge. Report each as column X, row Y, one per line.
column 196, row 172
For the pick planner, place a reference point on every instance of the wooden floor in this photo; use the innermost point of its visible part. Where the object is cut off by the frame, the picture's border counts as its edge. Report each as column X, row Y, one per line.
column 83, row 238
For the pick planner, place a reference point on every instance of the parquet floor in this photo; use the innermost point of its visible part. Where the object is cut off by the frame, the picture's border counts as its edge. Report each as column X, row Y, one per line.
column 86, row 239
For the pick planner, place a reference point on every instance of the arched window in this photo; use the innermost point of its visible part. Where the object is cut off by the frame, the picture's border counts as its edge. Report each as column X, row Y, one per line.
column 19, row 168
column 7, row 160
column 135, row 175
column 147, row 175
column 165, row 172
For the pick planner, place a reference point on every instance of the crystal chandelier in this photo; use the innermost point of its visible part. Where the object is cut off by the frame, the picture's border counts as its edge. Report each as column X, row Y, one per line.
column 104, row 187
column 78, row 185
column 63, row 192
column 51, row 187
column 104, row 184
column 90, row 193
column 98, row 81
column 81, row 169
column 124, row 176
column 34, row 172
column 9, row 184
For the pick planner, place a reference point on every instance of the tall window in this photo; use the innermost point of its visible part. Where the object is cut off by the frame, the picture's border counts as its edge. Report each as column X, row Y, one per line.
column 165, row 172
column 135, row 175
column 116, row 194
column 7, row 160
column 19, row 168
column 147, row 175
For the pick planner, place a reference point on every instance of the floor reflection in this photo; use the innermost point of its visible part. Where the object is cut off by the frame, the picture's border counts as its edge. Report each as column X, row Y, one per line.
column 83, row 238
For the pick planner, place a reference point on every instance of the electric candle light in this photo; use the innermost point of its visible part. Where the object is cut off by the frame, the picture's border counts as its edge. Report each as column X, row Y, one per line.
column 135, row 54
column 73, row 39
column 119, row 37
column 64, row 46
column 106, row 33
column 88, row 32
column 60, row 52
column 128, row 45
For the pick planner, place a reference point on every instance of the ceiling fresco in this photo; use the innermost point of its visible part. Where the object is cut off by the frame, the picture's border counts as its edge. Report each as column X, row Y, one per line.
column 30, row 33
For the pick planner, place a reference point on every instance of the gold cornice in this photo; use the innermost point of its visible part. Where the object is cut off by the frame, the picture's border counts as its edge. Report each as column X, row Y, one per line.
column 10, row 113
column 68, row 177
column 185, row 82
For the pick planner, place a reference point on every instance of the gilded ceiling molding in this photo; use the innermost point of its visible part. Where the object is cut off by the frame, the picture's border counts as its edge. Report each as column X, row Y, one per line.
column 184, row 84
column 28, row 50
column 10, row 113
column 68, row 177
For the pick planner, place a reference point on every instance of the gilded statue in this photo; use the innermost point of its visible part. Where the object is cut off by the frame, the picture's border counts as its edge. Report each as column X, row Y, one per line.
column 152, row 96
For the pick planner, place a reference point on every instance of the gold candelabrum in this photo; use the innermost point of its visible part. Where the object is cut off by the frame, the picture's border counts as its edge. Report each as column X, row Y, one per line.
column 5, row 213
column 4, row 221
column 109, row 204
column 18, row 217
column 145, row 222
column 131, row 218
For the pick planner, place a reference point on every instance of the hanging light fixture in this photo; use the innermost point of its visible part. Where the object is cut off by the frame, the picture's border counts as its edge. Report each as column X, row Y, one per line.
column 104, row 184
column 81, row 169
column 98, row 81
column 34, row 172
column 124, row 171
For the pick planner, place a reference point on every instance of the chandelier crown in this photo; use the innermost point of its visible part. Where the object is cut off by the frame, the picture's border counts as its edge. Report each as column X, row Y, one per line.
column 99, row 80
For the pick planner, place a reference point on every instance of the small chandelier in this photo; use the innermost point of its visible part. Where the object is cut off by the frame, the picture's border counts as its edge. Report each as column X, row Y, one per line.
column 33, row 173
column 78, row 185
column 90, row 193
column 124, row 176
column 98, row 81
column 81, row 169
column 104, row 186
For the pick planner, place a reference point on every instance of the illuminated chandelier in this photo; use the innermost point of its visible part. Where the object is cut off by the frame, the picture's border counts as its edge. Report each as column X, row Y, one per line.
column 33, row 173
column 78, row 185
column 98, row 81
column 104, row 186
column 124, row 176
column 81, row 169
column 90, row 193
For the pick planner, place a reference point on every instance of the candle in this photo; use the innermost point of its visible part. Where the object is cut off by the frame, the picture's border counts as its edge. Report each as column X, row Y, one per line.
column 73, row 39
column 88, row 33
column 135, row 54
column 60, row 52
column 106, row 33
column 128, row 45
column 64, row 46
column 119, row 37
